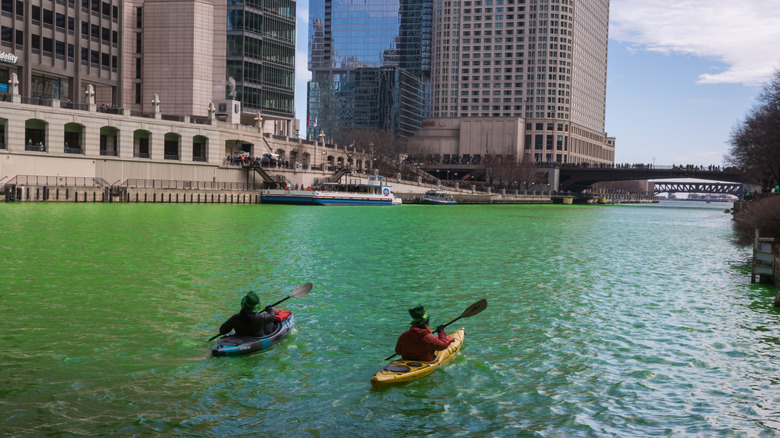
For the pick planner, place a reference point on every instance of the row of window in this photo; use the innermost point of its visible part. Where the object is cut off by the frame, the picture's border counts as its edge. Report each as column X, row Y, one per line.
column 248, row 46
column 96, row 6
column 87, row 30
column 264, row 25
column 284, row 8
column 60, row 48
column 261, row 74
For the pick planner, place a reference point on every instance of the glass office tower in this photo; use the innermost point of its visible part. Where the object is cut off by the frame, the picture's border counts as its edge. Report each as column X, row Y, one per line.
column 370, row 64
column 261, row 55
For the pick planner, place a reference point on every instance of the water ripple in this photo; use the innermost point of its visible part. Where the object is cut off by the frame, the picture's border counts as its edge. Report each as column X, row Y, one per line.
column 602, row 321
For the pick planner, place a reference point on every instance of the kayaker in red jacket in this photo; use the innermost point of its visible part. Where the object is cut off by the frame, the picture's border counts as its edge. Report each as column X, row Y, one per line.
column 419, row 343
column 250, row 321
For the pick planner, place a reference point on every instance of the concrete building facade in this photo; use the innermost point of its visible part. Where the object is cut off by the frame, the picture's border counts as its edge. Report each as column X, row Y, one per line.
column 58, row 48
column 53, row 138
column 544, row 61
column 174, row 49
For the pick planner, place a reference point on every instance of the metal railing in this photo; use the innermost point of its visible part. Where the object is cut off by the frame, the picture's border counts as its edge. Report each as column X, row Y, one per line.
column 71, row 181
column 147, row 115
column 172, row 118
column 181, row 184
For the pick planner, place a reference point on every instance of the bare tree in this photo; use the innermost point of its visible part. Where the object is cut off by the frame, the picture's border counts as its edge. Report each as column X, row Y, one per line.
column 755, row 142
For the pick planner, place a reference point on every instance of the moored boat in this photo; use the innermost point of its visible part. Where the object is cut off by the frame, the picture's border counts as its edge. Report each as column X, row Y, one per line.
column 400, row 371
column 234, row 345
column 375, row 191
column 438, row 197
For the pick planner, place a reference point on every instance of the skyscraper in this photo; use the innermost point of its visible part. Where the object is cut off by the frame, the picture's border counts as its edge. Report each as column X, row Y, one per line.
column 541, row 60
column 261, row 55
column 370, row 64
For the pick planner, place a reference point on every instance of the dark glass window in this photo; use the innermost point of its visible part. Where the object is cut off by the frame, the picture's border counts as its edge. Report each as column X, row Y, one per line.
column 60, row 48
column 84, row 54
column 94, row 57
column 71, row 51
column 7, row 34
column 20, row 8
column 48, row 45
column 19, row 37
column 60, row 21
column 138, row 93
column 105, row 34
column 36, row 42
column 138, row 43
column 139, row 17
column 84, row 28
column 105, row 59
column 7, row 6
column 138, row 68
column 48, row 16
column 36, row 13
column 95, row 31
column 71, row 24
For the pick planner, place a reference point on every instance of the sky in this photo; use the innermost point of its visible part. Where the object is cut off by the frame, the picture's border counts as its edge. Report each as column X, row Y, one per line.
column 680, row 74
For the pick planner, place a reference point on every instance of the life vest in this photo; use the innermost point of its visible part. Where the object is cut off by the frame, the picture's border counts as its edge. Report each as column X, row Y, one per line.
column 282, row 315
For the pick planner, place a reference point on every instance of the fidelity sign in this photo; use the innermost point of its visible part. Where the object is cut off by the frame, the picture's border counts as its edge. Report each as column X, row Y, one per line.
column 8, row 57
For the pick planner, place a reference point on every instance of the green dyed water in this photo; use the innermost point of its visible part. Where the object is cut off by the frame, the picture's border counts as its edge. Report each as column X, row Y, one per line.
column 602, row 321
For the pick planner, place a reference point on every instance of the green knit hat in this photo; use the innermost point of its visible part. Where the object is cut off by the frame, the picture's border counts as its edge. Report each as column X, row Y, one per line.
column 250, row 302
column 420, row 316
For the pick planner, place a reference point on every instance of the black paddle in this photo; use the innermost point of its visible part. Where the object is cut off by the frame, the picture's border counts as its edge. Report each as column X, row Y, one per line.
column 470, row 311
column 300, row 291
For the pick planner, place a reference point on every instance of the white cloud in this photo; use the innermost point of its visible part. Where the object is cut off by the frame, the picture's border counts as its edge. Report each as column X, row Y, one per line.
column 744, row 35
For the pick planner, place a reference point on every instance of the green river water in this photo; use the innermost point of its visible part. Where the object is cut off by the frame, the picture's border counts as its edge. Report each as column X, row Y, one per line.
column 630, row 320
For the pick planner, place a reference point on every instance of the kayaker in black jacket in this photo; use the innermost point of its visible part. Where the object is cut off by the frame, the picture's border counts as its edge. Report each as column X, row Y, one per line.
column 250, row 320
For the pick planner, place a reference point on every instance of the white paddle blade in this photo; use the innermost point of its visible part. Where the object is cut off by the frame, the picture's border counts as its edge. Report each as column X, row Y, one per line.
column 302, row 290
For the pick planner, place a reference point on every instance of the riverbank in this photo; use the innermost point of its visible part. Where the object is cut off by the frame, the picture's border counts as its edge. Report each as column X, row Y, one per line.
column 409, row 194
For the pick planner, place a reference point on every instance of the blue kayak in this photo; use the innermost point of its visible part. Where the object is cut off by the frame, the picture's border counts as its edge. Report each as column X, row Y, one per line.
column 234, row 345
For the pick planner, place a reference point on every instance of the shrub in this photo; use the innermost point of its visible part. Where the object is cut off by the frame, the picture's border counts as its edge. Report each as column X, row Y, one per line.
column 763, row 214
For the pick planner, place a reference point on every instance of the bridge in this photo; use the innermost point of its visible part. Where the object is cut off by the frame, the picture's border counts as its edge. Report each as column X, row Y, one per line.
column 735, row 189
column 580, row 178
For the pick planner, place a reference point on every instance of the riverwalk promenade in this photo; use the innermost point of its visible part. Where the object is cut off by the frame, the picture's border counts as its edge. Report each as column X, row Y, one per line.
column 92, row 190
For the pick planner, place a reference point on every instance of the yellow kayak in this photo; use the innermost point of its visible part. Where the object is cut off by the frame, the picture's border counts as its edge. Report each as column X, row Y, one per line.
column 399, row 371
